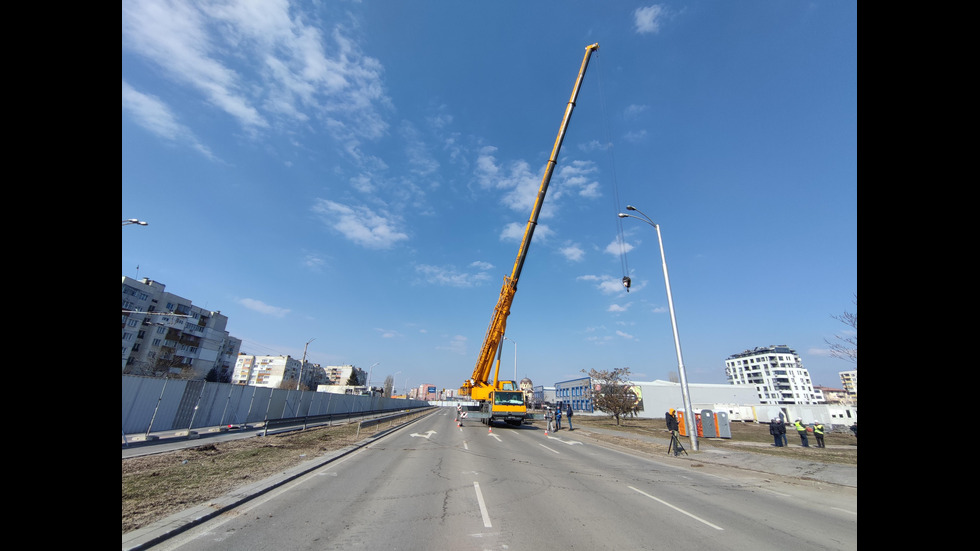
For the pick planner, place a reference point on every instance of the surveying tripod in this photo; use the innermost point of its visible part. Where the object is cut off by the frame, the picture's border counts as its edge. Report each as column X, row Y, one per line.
column 675, row 444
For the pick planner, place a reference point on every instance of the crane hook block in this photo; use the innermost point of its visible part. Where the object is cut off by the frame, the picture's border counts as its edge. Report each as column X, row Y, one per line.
column 626, row 283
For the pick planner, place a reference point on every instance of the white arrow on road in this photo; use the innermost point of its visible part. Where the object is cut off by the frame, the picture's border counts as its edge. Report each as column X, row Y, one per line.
column 569, row 442
column 426, row 435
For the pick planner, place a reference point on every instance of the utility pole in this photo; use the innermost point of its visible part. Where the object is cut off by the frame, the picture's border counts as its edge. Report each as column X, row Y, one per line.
column 302, row 365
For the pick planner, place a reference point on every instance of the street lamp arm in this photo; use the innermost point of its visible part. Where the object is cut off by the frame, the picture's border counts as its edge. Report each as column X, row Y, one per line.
column 689, row 419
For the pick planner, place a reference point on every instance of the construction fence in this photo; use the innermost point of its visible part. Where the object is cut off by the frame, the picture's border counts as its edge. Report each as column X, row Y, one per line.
column 155, row 405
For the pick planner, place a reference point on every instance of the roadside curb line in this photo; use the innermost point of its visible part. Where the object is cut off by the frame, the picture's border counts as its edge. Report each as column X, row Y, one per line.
column 152, row 534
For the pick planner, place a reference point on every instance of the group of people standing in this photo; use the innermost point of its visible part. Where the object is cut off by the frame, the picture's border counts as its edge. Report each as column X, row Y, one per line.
column 778, row 431
column 554, row 416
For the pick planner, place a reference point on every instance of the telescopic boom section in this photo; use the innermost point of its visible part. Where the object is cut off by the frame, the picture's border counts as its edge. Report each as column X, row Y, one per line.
column 479, row 385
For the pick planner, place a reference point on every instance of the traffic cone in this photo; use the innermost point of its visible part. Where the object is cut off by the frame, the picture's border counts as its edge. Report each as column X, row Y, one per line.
column 490, row 431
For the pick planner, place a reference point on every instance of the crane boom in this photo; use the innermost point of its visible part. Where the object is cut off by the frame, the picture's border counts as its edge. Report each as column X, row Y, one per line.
column 479, row 386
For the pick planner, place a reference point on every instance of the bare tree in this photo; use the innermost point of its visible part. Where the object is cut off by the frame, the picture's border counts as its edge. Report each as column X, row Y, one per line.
column 614, row 394
column 846, row 345
column 389, row 384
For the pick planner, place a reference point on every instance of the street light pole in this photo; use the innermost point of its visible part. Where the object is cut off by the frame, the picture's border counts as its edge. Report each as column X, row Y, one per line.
column 393, row 389
column 689, row 419
column 134, row 221
column 302, row 365
column 370, row 369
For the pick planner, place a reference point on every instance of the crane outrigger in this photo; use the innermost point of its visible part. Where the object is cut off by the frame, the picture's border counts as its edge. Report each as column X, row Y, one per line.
column 499, row 399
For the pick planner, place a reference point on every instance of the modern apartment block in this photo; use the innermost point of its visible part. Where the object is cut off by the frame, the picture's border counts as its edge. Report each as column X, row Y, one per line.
column 165, row 334
column 850, row 381
column 267, row 371
column 777, row 374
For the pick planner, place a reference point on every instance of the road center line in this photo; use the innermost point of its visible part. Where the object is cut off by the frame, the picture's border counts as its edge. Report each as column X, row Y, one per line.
column 483, row 506
column 679, row 510
column 549, row 449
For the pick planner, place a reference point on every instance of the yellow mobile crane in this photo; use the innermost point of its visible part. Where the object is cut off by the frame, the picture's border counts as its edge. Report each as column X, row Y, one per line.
column 504, row 400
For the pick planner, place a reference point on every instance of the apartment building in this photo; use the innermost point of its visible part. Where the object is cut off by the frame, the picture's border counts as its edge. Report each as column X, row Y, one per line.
column 164, row 334
column 777, row 373
column 267, row 371
column 850, row 381
column 340, row 374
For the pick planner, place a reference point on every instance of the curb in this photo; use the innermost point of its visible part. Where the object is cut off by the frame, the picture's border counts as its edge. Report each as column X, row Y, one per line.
column 159, row 531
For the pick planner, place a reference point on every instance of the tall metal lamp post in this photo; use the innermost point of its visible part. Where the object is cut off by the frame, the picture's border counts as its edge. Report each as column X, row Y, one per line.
column 689, row 420
column 368, row 382
column 302, row 365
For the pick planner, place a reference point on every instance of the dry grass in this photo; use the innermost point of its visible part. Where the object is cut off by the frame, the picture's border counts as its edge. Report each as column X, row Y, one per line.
column 754, row 437
column 156, row 486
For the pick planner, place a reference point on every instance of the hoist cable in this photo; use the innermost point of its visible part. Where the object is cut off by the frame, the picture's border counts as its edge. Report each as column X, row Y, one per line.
column 610, row 148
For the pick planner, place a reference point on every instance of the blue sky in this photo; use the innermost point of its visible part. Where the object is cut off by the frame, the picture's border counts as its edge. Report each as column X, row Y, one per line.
column 360, row 173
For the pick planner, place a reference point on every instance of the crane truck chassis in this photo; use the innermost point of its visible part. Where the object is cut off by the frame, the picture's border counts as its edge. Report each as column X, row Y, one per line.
column 501, row 400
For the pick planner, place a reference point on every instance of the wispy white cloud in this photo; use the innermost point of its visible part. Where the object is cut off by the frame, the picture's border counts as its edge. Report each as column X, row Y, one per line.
column 579, row 177
column 519, row 184
column 605, row 284
column 452, row 277
column 313, row 261
column 154, row 115
column 300, row 77
column 515, row 232
column 618, row 247
column 419, row 158
column 572, row 252
column 635, row 135
column 595, row 145
column 387, row 333
column 456, row 344
column 371, row 228
column 263, row 308
column 647, row 19
column 625, row 335
column 633, row 110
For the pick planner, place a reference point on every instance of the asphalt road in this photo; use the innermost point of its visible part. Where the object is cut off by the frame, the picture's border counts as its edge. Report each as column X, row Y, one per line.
column 433, row 485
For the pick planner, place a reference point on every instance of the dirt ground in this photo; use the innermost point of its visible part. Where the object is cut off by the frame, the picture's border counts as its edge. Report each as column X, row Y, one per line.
column 157, row 486
column 841, row 447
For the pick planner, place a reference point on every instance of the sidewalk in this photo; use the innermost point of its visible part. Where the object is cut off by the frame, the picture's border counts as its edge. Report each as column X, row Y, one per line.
column 831, row 473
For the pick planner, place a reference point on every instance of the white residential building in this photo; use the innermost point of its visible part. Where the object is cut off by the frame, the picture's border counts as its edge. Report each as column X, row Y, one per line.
column 165, row 334
column 850, row 381
column 267, row 371
column 776, row 372
column 340, row 374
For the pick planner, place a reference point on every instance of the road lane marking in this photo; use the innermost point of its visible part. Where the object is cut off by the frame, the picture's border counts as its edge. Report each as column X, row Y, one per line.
column 549, row 449
column 678, row 509
column 483, row 506
column 426, row 435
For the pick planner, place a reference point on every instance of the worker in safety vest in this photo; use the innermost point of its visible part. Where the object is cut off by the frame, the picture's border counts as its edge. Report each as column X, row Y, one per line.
column 801, row 430
column 818, row 432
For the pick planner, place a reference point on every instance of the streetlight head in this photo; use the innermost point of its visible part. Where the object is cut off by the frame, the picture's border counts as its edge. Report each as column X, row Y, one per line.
column 630, row 207
column 623, row 215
